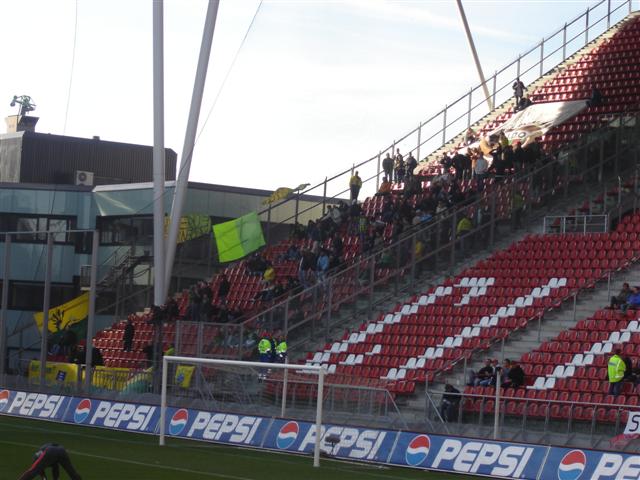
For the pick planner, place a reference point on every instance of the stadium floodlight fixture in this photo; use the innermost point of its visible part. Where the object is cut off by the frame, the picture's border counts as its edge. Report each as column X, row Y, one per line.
column 25, row 102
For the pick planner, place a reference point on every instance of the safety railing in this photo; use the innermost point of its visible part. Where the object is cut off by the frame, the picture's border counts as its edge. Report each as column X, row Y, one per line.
column 470, row 108
column 425, row 253
column 522, row 415
column 576, row 223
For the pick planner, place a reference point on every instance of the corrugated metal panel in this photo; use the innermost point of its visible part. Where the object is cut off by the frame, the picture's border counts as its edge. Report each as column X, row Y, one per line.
column 55, row 159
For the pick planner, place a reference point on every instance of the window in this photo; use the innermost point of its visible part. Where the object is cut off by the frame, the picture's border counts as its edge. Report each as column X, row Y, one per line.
column 32, row 228
column 126, row 230
column 30, row 295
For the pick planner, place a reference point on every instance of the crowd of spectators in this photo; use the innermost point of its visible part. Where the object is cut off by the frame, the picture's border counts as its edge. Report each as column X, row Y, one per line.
column 511, row 374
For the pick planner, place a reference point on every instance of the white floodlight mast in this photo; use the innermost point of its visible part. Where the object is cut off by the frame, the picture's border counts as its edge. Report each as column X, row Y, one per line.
column 474, row 52
column 159, row 289
column 190, row 137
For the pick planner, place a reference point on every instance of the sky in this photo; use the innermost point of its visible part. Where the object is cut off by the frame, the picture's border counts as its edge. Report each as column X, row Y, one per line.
column 317, row 86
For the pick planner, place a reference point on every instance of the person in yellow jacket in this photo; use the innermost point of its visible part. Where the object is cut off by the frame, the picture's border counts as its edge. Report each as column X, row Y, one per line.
column 616, row 368
column 355, row 184
column 464, row 226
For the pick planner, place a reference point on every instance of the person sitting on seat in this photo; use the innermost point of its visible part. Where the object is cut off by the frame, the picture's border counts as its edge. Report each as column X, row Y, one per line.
column 596, row 98
column 484, row 375
column 633, row 300
column 515, row 376
column 621, row 298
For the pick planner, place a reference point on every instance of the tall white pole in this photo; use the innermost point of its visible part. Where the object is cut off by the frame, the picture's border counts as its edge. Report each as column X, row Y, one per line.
column 159, row 290
column 190, row 136
column 475, row 54
column 91, row 322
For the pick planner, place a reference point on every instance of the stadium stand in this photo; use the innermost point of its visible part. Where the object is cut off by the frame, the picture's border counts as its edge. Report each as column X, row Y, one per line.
column 430, row 337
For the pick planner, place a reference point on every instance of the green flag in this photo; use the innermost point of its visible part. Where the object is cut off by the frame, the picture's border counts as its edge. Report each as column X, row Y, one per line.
column 238, row 238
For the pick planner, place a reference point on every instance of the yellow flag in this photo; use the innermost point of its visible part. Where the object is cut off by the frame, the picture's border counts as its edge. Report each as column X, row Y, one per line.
column 65, row 315
column 183, row 375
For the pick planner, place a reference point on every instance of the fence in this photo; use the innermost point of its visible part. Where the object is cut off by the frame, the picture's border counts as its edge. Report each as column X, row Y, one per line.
column 375, row 279
column 523, row 416
column 577, row 223
column 471, row 107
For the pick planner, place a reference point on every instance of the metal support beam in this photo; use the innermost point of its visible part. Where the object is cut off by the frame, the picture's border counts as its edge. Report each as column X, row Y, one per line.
column 180, row 192
column 476, row 60
column 159, row 289
column 5, row 307
column 91, row 322
column 46, row 305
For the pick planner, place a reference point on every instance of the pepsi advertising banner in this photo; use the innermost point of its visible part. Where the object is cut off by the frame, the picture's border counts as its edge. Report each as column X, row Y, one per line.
column 568, row 464
column 216, row 427
column 451, row 454
column 355, row 443
column 414, row 450
column 34, row 405
column 131, row 417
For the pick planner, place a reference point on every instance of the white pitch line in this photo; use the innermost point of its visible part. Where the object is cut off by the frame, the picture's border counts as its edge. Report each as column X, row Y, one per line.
column 133, row 462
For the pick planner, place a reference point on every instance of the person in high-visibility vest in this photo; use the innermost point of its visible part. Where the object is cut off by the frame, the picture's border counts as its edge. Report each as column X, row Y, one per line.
column 281, row 350
column 616, row 368
column 264, row 349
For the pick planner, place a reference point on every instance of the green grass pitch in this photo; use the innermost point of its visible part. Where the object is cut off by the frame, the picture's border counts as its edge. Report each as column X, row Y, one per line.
column 100, row 454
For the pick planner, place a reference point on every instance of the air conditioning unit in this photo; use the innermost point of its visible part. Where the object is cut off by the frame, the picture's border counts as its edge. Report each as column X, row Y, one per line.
column 84, row 178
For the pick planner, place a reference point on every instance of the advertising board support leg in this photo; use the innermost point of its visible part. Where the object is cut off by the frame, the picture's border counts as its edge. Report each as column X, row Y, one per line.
column 163, row 400
column 496, row 420
column 316, row 449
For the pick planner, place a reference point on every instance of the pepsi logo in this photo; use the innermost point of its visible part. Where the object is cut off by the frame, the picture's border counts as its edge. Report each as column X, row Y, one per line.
column 82, row 411
column 287, row 435
column 418, row 450
column 572, row 465
column 178, row 422
column 4, row 399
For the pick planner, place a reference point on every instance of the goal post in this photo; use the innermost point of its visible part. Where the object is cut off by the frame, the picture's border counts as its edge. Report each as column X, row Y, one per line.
column 314, row 369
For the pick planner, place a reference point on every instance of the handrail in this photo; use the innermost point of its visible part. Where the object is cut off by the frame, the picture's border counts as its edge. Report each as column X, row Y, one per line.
column 432, row 132
column 529, row 176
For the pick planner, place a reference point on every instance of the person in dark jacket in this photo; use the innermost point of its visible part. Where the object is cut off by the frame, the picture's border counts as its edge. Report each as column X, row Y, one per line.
column 450, row 403
column 127, row 338
column 223, row 289
column 54, row 456
column 515, row 376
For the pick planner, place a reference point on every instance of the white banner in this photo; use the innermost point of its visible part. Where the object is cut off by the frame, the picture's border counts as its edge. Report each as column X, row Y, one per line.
column 538, row 119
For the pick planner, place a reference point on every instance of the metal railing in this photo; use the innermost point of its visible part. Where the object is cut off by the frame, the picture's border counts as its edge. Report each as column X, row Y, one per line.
column 561, row 422
column 377, row 278
column 471, row 107
column 576, row 223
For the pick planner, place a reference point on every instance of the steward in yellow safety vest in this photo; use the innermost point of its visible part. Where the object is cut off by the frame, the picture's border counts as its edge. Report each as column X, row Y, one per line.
column 615, row 369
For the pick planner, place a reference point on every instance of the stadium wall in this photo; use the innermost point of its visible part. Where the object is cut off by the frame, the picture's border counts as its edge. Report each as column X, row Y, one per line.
column 390, row 447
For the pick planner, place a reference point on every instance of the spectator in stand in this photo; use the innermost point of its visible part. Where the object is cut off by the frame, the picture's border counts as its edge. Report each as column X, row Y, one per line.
column 484, row 377
column 503, row 371
column 518, row 90
column 307, row 263
column 522, row 104
column 596, row 98
column 355, row 184
column 387, row 166
column 470, row 136
column 633, row 300
column 256, row 265
column 615, row 371
column 411, row 163
column 223, row 289
column 459, row 162
column 172, row 309
column 127, row 338
column 515, row 376
column 363, row 228
column 399, row 168
column 480, row 171
column 385, row 188
column 518, row 156
column 322, row 266
column 450, row 403
column 621, row 298
column 463, row 228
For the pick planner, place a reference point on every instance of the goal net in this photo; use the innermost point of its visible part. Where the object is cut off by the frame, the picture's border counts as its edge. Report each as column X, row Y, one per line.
column 243, row 387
